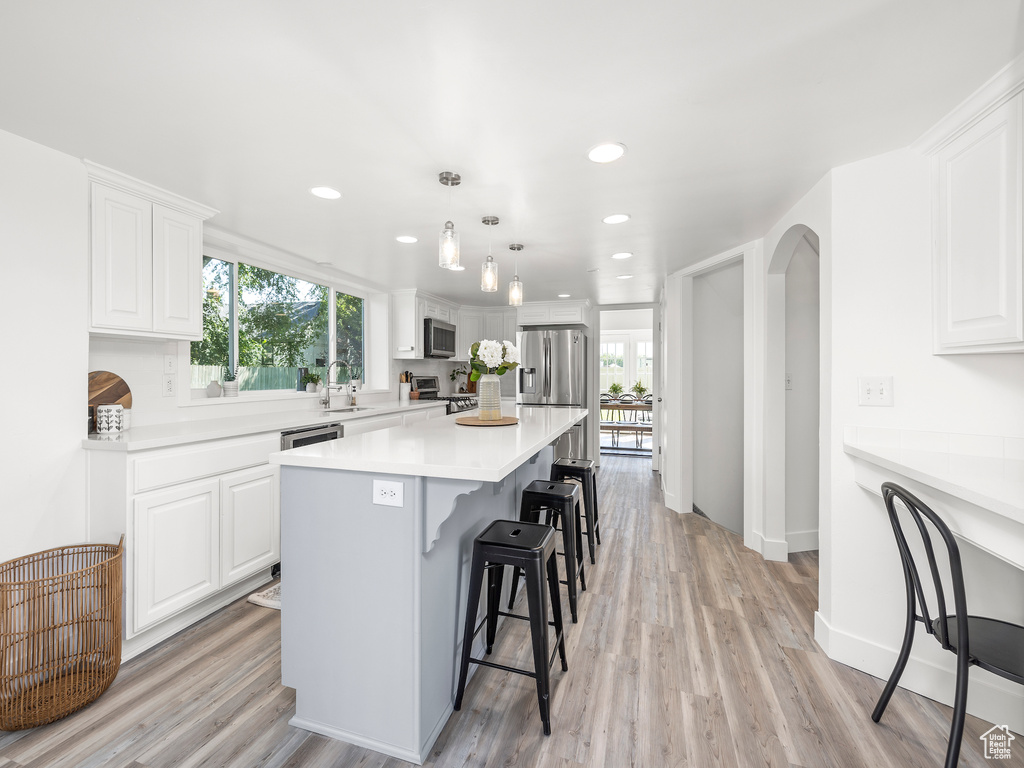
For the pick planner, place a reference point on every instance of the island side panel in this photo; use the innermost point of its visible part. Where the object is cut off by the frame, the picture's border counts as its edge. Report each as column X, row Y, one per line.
column 348, row 640
column 445, row 583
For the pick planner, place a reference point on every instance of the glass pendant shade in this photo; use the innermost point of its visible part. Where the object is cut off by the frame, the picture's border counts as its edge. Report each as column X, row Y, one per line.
column 448, row 247
column 515, row 292
column 489, row 276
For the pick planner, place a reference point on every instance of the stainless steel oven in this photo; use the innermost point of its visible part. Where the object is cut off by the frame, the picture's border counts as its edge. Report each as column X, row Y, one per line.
column 321, row 433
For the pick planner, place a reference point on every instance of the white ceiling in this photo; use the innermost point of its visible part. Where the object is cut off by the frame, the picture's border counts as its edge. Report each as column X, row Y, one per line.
column 731, row 111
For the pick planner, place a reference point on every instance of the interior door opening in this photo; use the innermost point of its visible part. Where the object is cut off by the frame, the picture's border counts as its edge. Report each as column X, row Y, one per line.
column 627, row 383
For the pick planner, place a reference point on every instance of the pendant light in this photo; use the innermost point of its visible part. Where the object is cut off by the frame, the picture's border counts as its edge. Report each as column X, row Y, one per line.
column 448, row 242
column 489, row 269
column 515, row 288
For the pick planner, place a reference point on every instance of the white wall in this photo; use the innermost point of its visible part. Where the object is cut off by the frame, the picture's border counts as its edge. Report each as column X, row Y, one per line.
column 626, row 320
column 802, row 366
column 718, row 395
column 881, row 293
column 43, row 244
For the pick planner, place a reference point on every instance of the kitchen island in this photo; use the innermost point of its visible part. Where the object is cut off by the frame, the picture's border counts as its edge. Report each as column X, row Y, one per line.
column 374, row 594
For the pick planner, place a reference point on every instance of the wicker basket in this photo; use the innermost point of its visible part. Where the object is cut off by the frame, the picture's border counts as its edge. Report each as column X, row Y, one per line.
column 60, row 632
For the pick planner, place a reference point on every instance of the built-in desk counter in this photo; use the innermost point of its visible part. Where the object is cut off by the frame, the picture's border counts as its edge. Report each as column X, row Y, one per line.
column 373, row 595
column 974, row 482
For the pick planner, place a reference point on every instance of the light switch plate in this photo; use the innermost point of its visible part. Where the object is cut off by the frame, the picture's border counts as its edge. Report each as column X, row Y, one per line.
column 875, row 390
column 170, row 364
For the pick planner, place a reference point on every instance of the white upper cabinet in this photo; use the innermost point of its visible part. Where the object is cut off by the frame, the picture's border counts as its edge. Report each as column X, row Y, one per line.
column 978, row 243
column 122, row 269
column 494, row 326
column 147, row 259
column 177, row 271
column 407, row 313
column 555, row 313
column 470, row 329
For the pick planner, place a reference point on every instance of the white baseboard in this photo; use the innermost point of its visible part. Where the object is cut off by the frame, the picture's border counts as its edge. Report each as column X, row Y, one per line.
column 989, row 697
column 771, row 549
column 348, row 737
column 802, row 541
column 147, row 638
column 672, row 501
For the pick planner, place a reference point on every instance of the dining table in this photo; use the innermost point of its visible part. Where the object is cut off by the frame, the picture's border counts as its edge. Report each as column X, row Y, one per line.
column 614, row 421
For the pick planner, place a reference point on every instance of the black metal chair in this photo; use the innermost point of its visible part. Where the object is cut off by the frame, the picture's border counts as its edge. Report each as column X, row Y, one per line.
column 997, row 646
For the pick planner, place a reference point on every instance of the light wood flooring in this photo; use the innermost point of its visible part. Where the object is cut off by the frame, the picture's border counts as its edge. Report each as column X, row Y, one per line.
column 690, row 651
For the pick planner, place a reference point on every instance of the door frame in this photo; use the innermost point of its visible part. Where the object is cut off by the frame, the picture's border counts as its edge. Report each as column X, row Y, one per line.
column 659, row 362
column 677, row 463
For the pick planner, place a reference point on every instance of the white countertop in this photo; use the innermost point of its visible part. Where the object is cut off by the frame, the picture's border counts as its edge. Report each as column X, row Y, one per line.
column 983, row 470
column 183, row 432
column 440, row 447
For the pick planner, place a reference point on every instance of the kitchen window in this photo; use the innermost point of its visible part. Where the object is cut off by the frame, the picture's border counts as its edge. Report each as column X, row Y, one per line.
column 271, row 325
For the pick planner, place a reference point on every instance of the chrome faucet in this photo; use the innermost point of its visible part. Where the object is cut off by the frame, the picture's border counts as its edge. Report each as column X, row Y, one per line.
column 325, row 396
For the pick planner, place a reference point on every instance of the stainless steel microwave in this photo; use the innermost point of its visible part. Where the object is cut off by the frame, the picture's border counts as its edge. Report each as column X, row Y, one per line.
column 438, row 338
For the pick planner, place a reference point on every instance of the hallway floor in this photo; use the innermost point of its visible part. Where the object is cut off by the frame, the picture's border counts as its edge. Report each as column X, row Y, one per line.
column 690, row 651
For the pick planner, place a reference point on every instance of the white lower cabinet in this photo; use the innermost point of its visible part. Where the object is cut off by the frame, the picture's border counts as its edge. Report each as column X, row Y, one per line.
column 177, row 550
column 359, row 426
column 250, row 522
column 414, row 416
column 202, row 524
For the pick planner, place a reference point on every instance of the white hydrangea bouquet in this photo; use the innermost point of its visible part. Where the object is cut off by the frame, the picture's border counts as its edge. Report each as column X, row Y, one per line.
column 489, row 360
column 488, row 356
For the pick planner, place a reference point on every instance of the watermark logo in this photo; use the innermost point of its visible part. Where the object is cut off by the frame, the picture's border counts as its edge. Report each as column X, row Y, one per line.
column 997, row 742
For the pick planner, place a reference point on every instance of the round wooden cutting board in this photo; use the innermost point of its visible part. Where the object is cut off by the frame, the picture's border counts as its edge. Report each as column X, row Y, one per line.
column 474, row 421
column 106, row 388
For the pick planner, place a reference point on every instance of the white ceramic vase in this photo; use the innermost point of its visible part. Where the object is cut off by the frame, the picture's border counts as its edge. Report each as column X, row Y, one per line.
column 488, row 389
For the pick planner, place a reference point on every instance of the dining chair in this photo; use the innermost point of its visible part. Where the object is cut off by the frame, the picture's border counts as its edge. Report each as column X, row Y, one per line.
column 991, row 644
column 608, row 423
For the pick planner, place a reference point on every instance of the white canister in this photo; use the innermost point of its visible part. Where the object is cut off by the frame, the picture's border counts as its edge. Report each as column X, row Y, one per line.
column 403, row 392
column 104, row 415
column 116, row 414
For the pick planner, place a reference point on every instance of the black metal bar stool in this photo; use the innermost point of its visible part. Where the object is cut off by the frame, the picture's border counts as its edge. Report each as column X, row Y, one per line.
column 585, row 472
column 562, row 502
column 531, row 547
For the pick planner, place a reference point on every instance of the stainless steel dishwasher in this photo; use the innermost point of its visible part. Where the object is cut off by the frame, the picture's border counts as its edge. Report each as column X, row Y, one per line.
column 318, row 433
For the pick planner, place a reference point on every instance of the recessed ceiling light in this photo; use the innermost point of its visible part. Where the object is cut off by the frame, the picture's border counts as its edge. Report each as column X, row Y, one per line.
column 625, row 277
column 327, row 193
column 406, row 239
column 606, row 153
column 457, row 268
column 325, row 263
column 564, row 295
column 622, row 255
column 616, row 218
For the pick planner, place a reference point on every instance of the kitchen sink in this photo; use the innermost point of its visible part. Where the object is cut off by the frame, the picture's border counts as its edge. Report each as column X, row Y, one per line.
column 347, row 409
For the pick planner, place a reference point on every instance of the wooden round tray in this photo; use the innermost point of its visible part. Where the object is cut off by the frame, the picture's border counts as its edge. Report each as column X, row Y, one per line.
column 474, row 421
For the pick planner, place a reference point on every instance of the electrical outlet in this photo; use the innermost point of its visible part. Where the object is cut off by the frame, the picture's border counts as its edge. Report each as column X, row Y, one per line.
column 874, row 390
column 170, row 364
column 388, row 493
column 168, row 387
column 789, row 381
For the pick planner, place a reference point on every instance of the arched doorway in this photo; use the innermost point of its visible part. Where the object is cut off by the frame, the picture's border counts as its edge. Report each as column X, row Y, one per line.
column 792, row 390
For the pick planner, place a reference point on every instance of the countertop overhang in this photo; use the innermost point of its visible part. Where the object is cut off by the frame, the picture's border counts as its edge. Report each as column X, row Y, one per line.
column 440, row 447
column 974, row 482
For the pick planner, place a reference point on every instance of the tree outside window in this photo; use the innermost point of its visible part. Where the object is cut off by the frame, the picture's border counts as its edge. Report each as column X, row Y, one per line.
column 282, row 326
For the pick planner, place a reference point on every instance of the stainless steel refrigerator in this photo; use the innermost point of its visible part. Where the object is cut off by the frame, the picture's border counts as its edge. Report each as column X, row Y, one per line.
column 553, row 373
